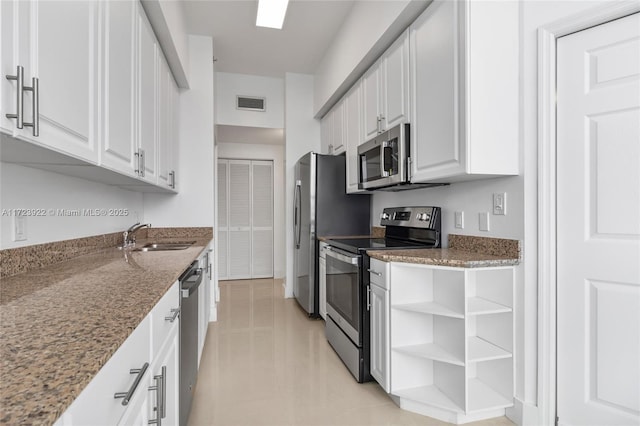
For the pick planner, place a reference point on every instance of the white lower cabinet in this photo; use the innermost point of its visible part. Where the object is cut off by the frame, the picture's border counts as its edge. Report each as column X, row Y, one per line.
column 204, row 299
column 379, row 326
column 450, row 342
column 164, row 387
column 128, row 389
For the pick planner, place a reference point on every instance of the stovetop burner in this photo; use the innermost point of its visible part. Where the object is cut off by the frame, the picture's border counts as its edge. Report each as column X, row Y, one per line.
column 353, row 245
column 406, row 227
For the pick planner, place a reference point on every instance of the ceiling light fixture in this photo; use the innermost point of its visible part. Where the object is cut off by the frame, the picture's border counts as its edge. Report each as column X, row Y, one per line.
column 271, row 13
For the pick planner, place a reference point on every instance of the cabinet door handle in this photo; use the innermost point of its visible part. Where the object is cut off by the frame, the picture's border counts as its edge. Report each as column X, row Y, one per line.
column 137, row 154
column 374, row 272
column 172, row 318
column 161, row 396
column 128, row 394
column 19, row 77
column 368, row 298
column 35, row 106
column 142, row 161
column 172, row 179
column 381, row 125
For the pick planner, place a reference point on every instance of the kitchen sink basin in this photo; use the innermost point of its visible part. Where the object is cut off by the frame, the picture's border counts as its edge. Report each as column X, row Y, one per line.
column 165, row 246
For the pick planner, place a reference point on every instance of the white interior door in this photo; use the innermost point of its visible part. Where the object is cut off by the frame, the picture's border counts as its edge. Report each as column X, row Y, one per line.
column 262, row 219
column 223, row 223
column 239, row 250
column 598, row 219
column 245, row 219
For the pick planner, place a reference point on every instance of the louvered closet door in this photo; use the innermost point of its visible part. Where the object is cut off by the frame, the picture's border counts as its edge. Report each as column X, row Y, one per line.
column 222, row 231
column 262, row 219
column 239, row 219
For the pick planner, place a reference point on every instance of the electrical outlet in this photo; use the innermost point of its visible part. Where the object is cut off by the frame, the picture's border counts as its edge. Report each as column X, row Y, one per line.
column 459, row 220
column 19, row 228
column 500, row 203
column 484, row 221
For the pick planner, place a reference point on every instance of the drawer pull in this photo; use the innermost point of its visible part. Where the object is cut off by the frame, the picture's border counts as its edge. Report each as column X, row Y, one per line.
column 127, row 395
column 374, row 272
column 161, row 396
column 173, row 317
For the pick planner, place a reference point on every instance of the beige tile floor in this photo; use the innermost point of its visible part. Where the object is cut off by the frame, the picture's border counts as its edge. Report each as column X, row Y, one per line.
column 266, row 363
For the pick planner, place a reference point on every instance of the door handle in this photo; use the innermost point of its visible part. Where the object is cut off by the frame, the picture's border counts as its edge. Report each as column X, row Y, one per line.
column 298, row 213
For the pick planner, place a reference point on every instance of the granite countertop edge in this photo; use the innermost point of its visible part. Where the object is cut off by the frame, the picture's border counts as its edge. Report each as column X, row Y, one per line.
column 442, row 257
column 25, row 395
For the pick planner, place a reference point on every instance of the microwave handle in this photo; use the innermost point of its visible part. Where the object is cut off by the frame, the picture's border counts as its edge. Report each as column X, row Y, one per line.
column 383, row 172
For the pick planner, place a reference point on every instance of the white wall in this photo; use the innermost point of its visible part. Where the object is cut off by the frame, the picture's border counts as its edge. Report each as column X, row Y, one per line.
column 193, row 205
column 302, row 134
column 275, row 153
column 469, row 197
column 26, row 188
column 367, row 31
column 534, row 15
column 229, row 85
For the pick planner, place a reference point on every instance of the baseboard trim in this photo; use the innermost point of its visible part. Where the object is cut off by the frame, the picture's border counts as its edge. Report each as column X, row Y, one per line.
column 523, row 413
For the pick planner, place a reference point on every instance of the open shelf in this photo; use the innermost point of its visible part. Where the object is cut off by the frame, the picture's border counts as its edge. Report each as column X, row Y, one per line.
column 432, row 308
column 481, row 350
column 484, row 398
column 431, row 351
column 430, row 395
column 480, row 306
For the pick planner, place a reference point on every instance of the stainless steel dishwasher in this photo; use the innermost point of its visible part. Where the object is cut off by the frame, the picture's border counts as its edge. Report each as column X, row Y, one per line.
column 189, row 282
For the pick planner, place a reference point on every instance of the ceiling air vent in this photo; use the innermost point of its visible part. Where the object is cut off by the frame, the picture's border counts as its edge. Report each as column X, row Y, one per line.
column 251, row 103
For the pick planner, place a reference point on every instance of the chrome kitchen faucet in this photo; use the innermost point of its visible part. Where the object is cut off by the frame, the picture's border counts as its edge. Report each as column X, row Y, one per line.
column 129, row 234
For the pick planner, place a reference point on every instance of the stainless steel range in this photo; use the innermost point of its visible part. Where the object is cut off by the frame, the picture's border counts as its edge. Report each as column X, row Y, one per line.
column 347, row 325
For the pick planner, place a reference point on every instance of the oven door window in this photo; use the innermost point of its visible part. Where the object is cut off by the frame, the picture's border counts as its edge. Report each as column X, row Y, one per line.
column 343, row 291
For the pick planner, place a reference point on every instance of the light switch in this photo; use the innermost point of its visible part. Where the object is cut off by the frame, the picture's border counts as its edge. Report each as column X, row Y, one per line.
column 484, row 221
column 459, row 220
column 500, row 203
column 19, row 228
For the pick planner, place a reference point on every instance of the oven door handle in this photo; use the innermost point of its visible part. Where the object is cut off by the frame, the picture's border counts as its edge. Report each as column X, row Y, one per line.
column 343, row 256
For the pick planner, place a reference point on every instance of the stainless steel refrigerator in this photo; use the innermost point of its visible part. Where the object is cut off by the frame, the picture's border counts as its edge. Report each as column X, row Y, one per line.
column 322, row 208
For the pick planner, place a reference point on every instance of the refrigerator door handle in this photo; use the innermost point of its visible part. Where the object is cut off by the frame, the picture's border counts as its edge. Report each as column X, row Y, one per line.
column 297, row 214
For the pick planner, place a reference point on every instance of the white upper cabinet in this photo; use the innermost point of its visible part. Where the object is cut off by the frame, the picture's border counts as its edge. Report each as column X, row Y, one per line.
column 119, row 147
column 464, row 78
column 326, row 133
column 353, row 134
column 57, row 44
column 97, row 68
column 148, row 98
column 166, row 110
column 337, row 129
column 8, row 50
column 386, row 90
column 332, row 130
column 371, row 101
column 395, row 83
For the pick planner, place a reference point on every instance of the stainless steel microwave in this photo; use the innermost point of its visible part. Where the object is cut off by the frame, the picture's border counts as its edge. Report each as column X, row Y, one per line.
column 383, row 159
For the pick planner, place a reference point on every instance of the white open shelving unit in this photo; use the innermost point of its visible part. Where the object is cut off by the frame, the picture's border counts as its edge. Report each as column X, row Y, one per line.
column 451, row 340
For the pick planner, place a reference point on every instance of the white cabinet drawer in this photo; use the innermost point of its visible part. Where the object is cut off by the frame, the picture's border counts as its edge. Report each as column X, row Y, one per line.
column 96, row 405
column 161, row 318
column 378, row 273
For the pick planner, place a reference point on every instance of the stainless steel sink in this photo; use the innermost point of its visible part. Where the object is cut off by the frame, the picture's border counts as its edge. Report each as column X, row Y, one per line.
column 165, row 246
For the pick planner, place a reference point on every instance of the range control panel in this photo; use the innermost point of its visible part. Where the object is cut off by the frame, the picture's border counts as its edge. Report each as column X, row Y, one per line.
column 413, row 217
